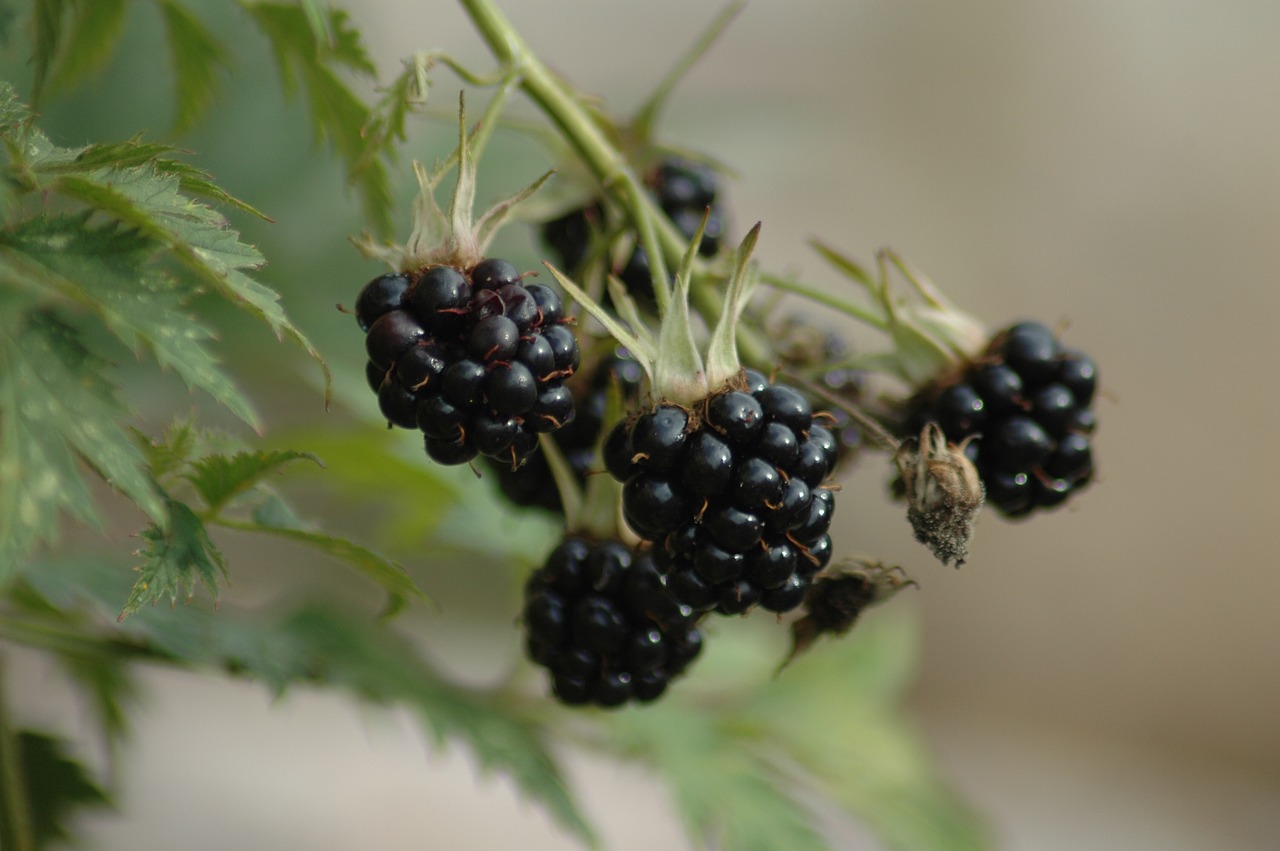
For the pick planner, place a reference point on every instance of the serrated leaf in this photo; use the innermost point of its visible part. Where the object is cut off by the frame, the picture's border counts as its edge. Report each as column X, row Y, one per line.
column 197, row 57
column 137, row 153
column 56, row 404
column 731, row 797
column 108, row 270
column 337, row 113
column 221, row 478
column 177, row 556
column 199, row 236
column 57, row 787
column 96, row 26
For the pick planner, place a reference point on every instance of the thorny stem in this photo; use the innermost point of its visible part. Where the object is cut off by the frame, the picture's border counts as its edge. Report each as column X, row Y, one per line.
column 13, row 786
column 869, row 427
column 605, row 161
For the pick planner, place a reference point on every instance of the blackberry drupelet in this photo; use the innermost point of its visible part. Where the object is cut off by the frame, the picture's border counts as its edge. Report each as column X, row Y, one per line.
column 599, row 618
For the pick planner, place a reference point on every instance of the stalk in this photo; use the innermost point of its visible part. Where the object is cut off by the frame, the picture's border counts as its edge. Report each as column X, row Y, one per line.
column 658, row 235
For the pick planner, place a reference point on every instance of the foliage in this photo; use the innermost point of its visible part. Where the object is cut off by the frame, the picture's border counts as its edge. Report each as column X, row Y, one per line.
column 119, row 250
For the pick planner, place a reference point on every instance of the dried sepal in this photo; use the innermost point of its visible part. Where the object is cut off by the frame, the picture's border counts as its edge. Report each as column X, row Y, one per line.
column 944, row 492
column 835, row 600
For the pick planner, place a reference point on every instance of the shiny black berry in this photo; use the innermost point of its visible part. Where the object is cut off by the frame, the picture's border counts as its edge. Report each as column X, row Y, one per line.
column 602, row 622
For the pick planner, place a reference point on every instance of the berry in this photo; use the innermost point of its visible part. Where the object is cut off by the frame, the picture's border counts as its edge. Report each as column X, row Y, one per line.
column 734, row 499
column 1030, row 402
column 576, row 426
column 476, row 361
column 683, row 189
column 600, row 619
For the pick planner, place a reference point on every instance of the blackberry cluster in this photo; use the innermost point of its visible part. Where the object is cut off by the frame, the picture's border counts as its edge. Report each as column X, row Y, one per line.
column 1031, row 400
column 474, row 359
column 685, row 190
column 732, row 497
column 601, row 620
column 531, row 484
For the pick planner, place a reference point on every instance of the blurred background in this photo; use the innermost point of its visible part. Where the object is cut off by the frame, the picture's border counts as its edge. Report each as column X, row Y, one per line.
column 1106, row 676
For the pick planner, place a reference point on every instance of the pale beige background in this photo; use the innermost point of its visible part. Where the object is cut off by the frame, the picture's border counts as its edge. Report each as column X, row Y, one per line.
column 1107, row 677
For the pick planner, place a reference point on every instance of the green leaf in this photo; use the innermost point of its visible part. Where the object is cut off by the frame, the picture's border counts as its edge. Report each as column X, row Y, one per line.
column 836, row 713
column 48, row 28
column 137, row 153
column 177, row 557
column 413, row 497
column 221, row 478
column 57, row 788
column 96, row 26
column 108, row 270
column 378, row 665
column 55, row 406
column 273, row 518
column 730, row 795
column 200, row 237
column 197, row 56
column 338, row 114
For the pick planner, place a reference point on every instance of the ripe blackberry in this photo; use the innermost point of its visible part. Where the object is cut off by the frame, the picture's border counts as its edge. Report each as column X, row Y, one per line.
column 732, row 494
column 1030, row 400
column 599, row 618
column 531, row 484
column 683, row 189
column 471, row 357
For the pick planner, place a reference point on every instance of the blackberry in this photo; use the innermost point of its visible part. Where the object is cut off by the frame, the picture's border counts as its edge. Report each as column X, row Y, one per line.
column 531, row 484
column 1030, row 400
column 471, row 357
column 599, row 618
column 732, row 493
column 683, row 189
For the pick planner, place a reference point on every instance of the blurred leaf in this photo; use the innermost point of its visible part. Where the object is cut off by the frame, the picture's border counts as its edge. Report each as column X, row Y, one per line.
column 273, row 518
column 413, row 497
column 196, row 57
column 836, row 712
column 47, row 23
column 55, row 405
column 731, row 798
column 378, row 665
column 220, row 478
column 57, row 787
column 177, row 556
column 96, row 26
column 338, row 114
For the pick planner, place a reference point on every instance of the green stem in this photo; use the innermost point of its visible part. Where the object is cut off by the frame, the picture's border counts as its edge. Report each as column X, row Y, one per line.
column 13, row 784
column 821, row 296
column 603, row 158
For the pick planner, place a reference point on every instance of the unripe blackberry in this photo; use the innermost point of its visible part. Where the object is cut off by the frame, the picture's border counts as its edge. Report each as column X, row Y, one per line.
column 732, row 493
column 1030, row 400
column 600, row 619
column 472, row 358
